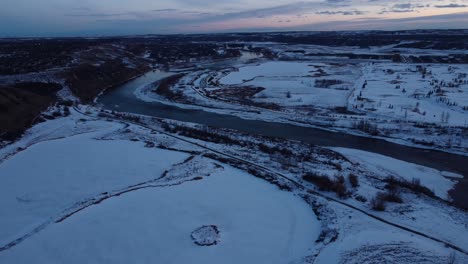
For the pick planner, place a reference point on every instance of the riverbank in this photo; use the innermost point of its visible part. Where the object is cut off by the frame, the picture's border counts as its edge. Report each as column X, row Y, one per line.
column 123, row 99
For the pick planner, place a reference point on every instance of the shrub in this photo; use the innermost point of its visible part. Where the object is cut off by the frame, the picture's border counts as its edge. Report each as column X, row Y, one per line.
column 341, row 179
column 149, row 144
column 393, row 196
column 353, row 179
column 378, row 203
column 361, row 198
column 66, row 111
column 414, row 185
column 340, row 189
column 325, row 184
column 452, row 258
column 322, row 182
column 57, row 113
column 338, row 166
column 367, row 127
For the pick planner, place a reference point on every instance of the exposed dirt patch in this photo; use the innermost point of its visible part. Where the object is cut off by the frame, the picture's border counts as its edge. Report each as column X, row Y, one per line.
column 206, row 235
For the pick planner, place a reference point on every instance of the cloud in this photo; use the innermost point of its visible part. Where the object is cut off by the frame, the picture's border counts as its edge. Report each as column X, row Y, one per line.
column 109, row 17
column 402, row 8
column 335, row 1
column 452, row 5
column 81, row 8
column 165, row 10
column 344, row 13
column 373, row 23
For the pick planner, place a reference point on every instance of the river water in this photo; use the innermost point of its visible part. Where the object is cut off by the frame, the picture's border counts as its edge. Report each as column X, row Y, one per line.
column 123, row 99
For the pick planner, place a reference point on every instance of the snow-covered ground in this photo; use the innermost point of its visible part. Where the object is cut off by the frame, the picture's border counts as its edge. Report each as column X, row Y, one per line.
column 257, row 224
column 95, row 190
column 379, row 164
column 421, row 213
column 51, row 176
column 297, row 83
column 428, row 93
column 100, row 196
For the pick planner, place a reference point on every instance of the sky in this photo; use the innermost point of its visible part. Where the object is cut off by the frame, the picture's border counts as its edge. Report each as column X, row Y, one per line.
column 21, row 18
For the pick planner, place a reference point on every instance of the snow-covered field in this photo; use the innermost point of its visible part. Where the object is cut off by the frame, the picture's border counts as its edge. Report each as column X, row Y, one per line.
column 257, row 224
column 51, row 176
column 432, row 93
column 93, row 190
column 431, row 178
column 57, row 196
column 297, row 83
column 428, row 93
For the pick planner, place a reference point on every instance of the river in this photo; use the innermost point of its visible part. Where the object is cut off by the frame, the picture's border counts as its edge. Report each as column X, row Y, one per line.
column 123, row 99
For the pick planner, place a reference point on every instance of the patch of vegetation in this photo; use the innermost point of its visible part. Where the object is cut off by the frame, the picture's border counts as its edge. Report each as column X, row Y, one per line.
column 393, row 196
column 367, row 127
column 37, row 55
column 378, row 203
column 86, row 80
column 353, row 180
column 326, row 184
column 325, row 83
column 164, row 87
column 203, row 134
column 21, row 105
column 343, row 110
column 413, row 185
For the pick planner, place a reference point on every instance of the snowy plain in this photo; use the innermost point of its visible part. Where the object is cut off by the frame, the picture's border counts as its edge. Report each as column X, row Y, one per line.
column 257, row 223
column 64, row 174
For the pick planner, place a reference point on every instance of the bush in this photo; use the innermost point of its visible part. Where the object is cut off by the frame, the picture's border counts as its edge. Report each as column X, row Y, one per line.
column 353, row 179
column 378, row 203
column 361, row 198
column 149, row 144
column 414, row 185
column 322, row 182
column 57, row 113
column 325, row 184
column 341, row 179
column 66, row 111
column 367, row 127
column 393, row 196
column 338, row 166
column 340, row 189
